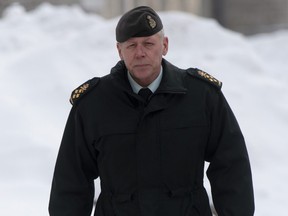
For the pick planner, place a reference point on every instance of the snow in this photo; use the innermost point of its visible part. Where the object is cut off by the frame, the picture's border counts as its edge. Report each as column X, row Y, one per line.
column 46, row 53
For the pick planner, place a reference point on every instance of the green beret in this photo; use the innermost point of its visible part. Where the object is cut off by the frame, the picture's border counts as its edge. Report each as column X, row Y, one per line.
column 141, row 21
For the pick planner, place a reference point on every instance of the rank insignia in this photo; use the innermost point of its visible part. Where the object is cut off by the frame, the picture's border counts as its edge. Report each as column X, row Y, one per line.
column 205, row 76
column 209, row 77
column 151, row 21
column 82, row 90
column 77, row 92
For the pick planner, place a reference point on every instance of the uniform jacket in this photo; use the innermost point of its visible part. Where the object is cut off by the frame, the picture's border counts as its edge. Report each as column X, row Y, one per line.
column 150, row 157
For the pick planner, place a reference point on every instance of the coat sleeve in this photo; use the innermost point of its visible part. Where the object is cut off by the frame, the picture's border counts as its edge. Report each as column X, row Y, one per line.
column 72, row 191
column 229, row 170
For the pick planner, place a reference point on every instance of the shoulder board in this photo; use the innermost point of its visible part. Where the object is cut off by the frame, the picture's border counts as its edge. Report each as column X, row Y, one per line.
column 205, row 76
column 83, row 89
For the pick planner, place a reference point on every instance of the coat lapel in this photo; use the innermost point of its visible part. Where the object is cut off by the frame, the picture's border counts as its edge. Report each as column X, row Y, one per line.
column 172, row 81
column 171, row 86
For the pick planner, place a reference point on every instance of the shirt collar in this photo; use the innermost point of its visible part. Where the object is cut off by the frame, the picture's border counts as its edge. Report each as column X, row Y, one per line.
column 153, row 86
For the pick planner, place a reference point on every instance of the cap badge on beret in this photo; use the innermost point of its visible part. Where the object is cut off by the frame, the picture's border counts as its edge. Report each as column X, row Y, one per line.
column 151, row 21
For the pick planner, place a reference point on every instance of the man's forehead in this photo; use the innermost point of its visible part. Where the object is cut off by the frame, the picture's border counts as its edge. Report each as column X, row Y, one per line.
column 139, row 39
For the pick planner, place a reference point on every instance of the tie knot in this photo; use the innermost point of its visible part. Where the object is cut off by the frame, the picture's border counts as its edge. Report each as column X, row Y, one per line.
column 145, row 93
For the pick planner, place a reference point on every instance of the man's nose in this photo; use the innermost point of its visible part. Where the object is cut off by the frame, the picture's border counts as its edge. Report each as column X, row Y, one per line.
column 140, row 52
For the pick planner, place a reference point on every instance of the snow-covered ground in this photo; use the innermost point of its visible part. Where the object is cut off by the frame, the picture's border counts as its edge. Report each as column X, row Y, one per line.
column 46, row 53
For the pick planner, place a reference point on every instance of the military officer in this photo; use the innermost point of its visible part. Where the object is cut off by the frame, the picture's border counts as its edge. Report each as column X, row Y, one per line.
column 146, row 130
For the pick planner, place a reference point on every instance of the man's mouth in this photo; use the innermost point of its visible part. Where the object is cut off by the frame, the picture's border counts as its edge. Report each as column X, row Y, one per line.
column 141, row 65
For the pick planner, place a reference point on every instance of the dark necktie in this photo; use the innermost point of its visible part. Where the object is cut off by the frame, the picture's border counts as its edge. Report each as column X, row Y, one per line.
column 145, row 93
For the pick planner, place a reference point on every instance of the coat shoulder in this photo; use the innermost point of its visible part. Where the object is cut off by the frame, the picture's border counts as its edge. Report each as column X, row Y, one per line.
column 202, row 75
column 83, row 90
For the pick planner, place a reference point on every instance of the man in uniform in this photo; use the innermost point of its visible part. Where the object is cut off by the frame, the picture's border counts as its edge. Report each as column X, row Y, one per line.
column 146, row 130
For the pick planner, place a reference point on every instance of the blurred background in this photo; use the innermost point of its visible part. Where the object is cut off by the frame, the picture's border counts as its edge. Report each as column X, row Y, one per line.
column 48, row 48
column 245, row 16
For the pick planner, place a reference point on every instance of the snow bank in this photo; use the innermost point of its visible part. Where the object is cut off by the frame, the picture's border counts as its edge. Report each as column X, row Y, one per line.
column 48, row 52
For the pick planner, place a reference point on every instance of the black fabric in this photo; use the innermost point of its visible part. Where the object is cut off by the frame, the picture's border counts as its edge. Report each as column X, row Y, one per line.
column 139, row 22
column 145, row 93
column 150, row 159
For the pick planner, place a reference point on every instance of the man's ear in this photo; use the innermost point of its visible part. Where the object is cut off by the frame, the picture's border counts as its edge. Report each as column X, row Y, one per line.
column 165, row 46
column 119, row 51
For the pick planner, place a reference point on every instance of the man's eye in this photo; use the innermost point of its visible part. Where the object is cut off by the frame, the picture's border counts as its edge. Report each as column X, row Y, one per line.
column 149, row 44
column 131, row 46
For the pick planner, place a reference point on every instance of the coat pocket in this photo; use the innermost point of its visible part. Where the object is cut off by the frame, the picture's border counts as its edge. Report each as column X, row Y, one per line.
column 177, row 202
column 124, row 204
column 116, row 204
column 185, row 202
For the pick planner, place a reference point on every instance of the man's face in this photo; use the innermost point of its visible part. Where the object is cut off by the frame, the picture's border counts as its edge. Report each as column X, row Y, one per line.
column 143, row 57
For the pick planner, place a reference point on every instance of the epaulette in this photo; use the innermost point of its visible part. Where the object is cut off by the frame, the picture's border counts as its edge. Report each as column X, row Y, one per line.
column 205, row 76
column 83, row 89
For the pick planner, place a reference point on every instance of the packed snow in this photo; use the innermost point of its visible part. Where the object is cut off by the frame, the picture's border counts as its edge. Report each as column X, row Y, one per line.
column 46, row 53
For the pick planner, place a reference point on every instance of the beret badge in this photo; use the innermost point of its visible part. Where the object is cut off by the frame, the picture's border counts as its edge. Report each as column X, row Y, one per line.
column 151, row 21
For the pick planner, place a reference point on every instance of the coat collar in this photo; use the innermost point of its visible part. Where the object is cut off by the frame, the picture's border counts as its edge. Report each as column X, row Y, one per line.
column 172, row 83
column 172, row 80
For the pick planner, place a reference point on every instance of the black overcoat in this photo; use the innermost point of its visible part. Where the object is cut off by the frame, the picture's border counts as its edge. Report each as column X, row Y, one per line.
column 150, row 157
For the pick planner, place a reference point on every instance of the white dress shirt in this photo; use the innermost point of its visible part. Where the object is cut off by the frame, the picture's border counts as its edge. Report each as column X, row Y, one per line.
column 153, row 86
